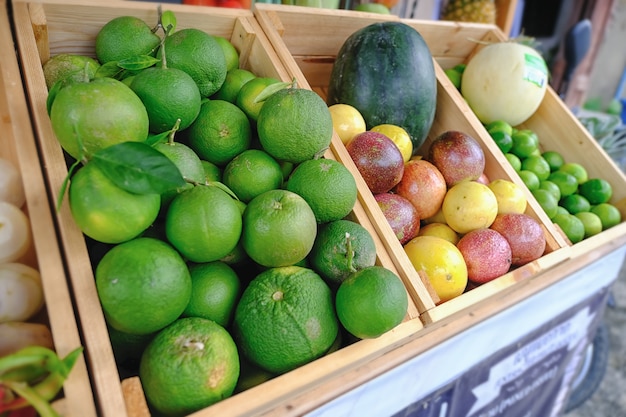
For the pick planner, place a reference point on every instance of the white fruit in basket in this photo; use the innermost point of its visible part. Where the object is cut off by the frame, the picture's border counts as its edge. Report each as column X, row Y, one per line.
column 16, row 335
column 11, row 186
column 15, row 236
column 21, row 292
column 505, row 81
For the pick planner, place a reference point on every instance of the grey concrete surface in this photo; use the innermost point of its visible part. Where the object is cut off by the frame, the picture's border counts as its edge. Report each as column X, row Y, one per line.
column 609, row 399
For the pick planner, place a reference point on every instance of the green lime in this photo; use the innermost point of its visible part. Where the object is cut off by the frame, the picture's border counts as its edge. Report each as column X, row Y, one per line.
column 215, row 290
column 285, row 319
column 525, row 142
column 561, row 210
column 577, row 170
column 538, row 165
column 371, row 302
column 327, row 185
column 575, row 203
column 499, row 126
column 596, row 190
column 454, row 76
column 571, row 225
column 554, row 159
column 503, row 140
column 188, row 366
column 608, row 213
column 591, row 221
column 341, row 248
column 567, row 183
column 551, row 187
column 530, row 179
column 514, row 160
column 143, row 285
column 547, row 201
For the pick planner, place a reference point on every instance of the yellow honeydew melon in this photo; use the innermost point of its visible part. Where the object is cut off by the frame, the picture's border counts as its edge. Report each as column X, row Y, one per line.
column 505, row 81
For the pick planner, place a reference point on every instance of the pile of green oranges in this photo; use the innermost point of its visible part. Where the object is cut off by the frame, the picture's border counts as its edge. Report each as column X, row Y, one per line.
column 579, row 205
column 219, row 233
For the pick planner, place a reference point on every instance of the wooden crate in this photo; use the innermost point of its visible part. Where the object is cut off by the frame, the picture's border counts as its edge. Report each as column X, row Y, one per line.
column 19, row 147
column 46, row 28
column 308, row 41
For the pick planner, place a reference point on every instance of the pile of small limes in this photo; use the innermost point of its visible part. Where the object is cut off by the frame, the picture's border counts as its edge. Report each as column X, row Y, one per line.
column 219, row 232
column 579, row 205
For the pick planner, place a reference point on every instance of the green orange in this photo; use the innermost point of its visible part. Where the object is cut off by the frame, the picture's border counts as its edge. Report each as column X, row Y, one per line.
column 294, row 125
column 285, row 319
column 188, row 366
column 143, row 285
column 251, row 173
column 341, row 248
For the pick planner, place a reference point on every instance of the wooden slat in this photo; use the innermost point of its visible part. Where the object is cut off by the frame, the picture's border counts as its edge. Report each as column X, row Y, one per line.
column 19, row 146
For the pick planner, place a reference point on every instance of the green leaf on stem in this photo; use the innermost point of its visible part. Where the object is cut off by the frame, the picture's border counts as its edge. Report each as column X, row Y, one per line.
column 138, row 168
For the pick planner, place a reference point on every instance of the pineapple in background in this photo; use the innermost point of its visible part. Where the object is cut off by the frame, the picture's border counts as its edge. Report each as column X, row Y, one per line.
column 478, row 11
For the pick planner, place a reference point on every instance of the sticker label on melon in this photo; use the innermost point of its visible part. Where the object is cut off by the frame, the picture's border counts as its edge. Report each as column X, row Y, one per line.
column 535, row 70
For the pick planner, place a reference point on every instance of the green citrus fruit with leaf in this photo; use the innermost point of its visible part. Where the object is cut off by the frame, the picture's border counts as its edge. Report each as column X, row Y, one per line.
column 90, row 116
column 203, row 223
column 188, row 163
column 220, row 132
column 294, row 125
column 341, row 248
column 327, row 185
column 279, row 228
column 169, row 94
column 371, row 302
column 249, row 93
column 190, row 365
column 125, row 37
column 251, row 173
column 105, row 212
column 69, row 67
column 215, row 290
column 285, row 319
column 199, row 55
column 143, row 285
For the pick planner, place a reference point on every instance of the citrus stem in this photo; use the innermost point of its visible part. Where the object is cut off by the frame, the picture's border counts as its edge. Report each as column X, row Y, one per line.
column 350, row 253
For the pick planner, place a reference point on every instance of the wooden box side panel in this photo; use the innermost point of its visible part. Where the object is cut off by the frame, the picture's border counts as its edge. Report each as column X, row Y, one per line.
column 20, row 148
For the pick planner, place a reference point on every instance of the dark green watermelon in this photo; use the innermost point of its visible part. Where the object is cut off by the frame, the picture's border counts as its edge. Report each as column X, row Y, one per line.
column 386, row 71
